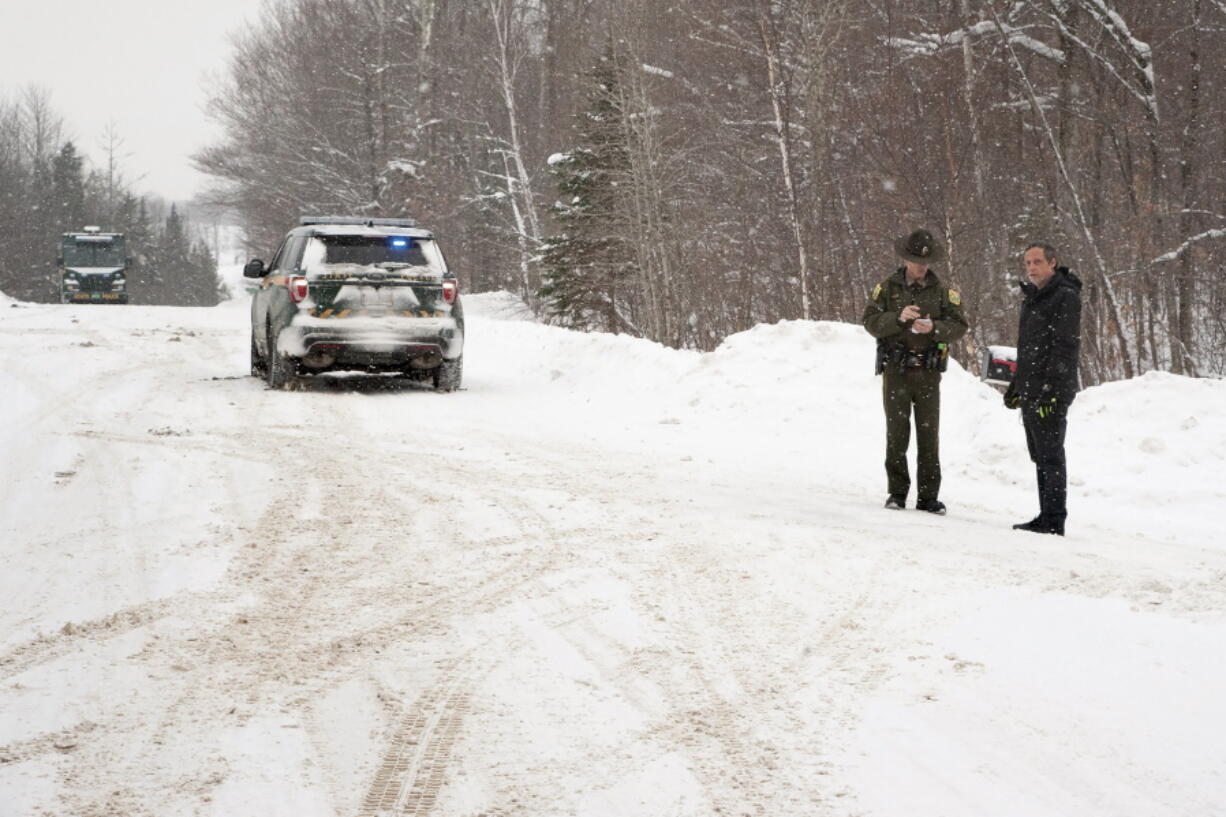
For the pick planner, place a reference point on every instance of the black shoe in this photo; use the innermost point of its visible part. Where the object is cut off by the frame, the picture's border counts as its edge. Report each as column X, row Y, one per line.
column 895, row 502
column 1041, row 525
column 931, row 505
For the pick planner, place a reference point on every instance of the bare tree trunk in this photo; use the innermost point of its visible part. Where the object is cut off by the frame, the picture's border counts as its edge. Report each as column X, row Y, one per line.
column 968, row 92
column 1182, row 359
column 425, row 92
column 521, row 228
column 379, row 113
column 781, row 106
column 112, row 144
column 820, row 26
column 857, row 248
column 502, row 15
column 372, row 151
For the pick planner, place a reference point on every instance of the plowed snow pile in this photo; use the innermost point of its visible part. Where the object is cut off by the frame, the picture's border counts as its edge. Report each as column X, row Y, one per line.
column 606, row 578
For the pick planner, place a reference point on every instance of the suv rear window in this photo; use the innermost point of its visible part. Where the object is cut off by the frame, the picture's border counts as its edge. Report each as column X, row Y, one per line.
column 367, row 250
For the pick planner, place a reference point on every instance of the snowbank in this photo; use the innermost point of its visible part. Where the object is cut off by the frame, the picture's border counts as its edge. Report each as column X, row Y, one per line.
column 800, row 397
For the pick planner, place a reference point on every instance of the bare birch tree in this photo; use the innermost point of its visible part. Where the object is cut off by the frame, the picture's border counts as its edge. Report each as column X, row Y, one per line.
column 508, row 20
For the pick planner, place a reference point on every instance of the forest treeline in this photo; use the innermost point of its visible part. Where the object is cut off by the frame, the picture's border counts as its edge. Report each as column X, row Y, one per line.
column 683, row 171
column 47, row 188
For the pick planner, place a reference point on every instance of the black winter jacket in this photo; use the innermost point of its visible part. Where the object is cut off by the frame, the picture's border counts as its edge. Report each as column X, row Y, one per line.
column 1048, row 338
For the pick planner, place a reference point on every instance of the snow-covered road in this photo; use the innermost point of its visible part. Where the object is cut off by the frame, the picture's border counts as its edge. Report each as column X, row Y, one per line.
column 606, row 579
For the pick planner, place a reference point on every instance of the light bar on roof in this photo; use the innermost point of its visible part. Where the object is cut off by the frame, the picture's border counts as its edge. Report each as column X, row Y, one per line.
column 306, row 221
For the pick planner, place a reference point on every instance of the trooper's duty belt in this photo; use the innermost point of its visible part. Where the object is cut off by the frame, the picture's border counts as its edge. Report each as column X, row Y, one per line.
column 902, row 359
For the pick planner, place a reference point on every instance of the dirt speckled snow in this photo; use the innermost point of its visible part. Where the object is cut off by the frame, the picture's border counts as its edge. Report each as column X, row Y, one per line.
column 605, row 579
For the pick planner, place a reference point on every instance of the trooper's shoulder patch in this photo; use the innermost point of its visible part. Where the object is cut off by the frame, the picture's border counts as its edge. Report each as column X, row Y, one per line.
column 876, row 292
column 955, row 298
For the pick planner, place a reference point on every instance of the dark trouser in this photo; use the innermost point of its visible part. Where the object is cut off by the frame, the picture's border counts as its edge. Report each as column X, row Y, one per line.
column 921, row 389
column 1045, row 439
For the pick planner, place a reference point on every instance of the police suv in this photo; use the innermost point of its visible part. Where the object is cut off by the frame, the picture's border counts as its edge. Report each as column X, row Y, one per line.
column 357, row 294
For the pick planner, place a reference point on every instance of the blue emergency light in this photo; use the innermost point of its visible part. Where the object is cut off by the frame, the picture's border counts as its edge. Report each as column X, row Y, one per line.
column 400, row 243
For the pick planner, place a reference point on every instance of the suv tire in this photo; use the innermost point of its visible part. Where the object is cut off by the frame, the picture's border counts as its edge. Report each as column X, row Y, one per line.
column 280, row 369
column 448, row 375
column 259, row 368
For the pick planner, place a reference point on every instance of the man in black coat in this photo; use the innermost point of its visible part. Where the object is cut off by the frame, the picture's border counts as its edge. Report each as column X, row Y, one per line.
column 1048, row 337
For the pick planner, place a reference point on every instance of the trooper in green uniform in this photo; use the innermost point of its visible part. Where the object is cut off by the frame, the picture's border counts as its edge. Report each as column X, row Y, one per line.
column 914, row 319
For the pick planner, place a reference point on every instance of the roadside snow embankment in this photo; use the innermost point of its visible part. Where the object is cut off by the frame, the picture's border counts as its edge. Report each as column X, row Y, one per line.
column 800, row 398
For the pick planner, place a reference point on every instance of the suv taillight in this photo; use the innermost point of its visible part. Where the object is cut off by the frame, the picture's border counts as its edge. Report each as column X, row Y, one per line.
column 298, row 288
column 451, row 288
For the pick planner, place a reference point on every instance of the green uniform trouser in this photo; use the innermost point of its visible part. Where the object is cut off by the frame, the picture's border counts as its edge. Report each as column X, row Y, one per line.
column 920, row 388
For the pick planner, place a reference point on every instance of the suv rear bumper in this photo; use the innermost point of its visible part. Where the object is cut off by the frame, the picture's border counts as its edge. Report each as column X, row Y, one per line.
column 338, row 347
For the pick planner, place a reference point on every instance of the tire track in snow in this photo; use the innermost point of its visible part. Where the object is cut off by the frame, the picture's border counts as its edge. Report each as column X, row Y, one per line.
column 413, row 770
column 46, row 648
column 49, row 419
column 62, row 740
column 311, row 626
column 737, row 695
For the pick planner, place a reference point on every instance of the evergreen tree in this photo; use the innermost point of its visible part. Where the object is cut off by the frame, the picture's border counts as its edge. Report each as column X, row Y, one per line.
column 134, row 222
column 586, row 266
column 172, row 267
column 39, row 235
column 571, row 290
column 14, row 180
column 202, row 286
column 173, row 270
column 68, row 190
column 27, row 253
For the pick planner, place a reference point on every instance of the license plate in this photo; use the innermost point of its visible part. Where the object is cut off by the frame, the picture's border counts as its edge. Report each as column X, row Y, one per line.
column 367, row 298
column 381, row 296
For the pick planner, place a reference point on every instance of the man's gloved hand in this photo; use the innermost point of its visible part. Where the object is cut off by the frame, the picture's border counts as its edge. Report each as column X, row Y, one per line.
column 1047, row 407
column 1012, row 401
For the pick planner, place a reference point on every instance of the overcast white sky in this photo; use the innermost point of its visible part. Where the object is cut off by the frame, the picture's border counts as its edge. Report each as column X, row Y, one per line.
column 146, row 64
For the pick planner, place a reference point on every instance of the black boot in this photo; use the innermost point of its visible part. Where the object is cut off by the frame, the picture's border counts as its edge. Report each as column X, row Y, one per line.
column 895, row 502
column 931, row 505
column 1041, row 525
